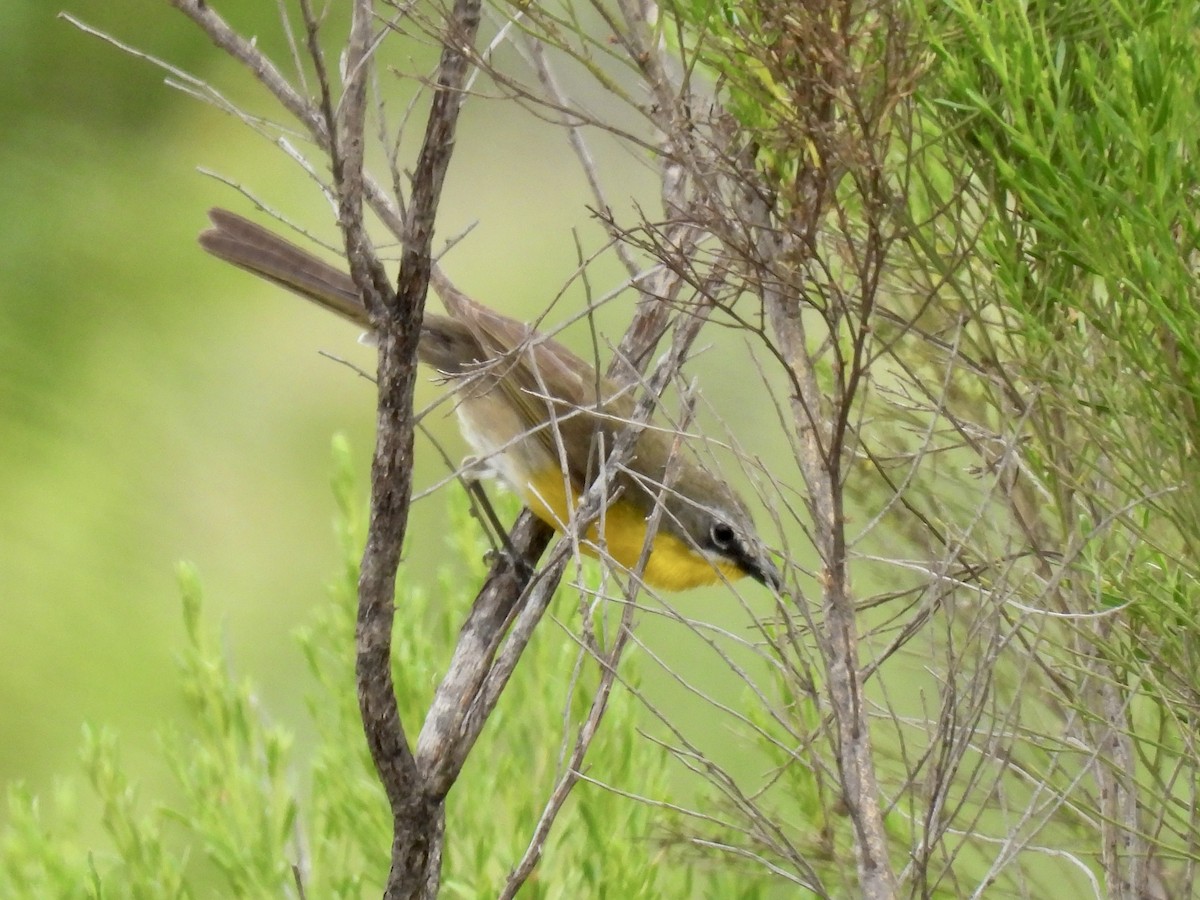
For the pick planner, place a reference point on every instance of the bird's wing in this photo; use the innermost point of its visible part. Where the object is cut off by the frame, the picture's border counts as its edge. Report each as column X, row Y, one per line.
column 551, row 388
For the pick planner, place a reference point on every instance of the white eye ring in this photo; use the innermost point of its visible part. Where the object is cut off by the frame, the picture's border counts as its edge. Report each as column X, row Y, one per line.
column 722, row 535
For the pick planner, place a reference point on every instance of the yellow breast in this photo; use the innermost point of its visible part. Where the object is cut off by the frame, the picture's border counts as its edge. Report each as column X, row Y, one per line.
column 672, row 566
column 489, row 424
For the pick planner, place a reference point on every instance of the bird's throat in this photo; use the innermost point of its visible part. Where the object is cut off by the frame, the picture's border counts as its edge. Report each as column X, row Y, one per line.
column 672, row 566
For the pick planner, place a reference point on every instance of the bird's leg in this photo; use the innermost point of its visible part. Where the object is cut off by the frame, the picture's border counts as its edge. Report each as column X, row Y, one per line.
column 472, row 471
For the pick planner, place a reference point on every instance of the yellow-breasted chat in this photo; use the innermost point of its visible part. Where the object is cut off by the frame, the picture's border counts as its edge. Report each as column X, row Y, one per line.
column 533, row 412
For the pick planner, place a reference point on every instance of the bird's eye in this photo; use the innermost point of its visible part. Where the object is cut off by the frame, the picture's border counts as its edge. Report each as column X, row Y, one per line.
column 722, row 535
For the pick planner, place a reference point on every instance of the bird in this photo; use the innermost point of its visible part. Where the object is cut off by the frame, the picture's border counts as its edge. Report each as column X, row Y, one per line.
column 535, row 414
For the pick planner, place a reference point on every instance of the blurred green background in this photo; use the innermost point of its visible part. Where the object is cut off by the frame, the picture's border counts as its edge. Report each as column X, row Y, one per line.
column 157, row 406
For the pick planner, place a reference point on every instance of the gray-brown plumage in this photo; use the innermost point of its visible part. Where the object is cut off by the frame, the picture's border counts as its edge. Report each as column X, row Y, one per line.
column 521, row 395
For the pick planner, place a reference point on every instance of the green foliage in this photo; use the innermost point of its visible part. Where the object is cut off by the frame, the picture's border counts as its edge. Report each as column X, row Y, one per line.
column 252, row 811
column 754, row 52
column 801, row 81
column 1038, row 390
column 1072, row 128
column 1079, row 121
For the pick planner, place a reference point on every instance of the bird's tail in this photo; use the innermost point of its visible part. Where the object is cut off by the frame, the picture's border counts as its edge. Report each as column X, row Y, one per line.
column 255, row 249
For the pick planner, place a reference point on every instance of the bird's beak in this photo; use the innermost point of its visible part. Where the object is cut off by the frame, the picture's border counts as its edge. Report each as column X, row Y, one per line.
column 762, row 570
